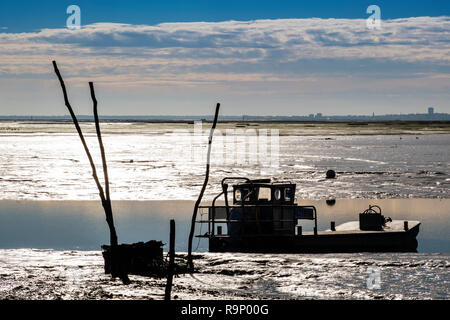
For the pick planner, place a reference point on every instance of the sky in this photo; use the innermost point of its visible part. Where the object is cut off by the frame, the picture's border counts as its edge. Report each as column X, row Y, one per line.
column 255, row 57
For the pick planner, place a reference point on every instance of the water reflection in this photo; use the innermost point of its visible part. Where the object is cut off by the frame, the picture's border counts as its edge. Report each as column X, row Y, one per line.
column 147, row 162
column 81, row 224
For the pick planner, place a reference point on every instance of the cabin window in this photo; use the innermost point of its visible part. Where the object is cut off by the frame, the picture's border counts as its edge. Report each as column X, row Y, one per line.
column 264, row 194
column 242, row 193
column 277, row 194
column 246, row 193
column 238, row 195
column 288, row 194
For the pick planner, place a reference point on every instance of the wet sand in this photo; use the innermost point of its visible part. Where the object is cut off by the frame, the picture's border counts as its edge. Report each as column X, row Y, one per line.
column 48, row 274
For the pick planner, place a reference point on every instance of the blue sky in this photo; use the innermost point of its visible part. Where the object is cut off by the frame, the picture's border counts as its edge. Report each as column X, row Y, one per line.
column 23, row 15
column 256, row 57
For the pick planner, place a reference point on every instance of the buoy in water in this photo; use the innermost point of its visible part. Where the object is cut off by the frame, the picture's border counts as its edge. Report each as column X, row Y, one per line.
column 331, row 174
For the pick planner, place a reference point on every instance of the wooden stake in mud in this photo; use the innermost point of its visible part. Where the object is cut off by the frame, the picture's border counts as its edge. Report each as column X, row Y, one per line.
column 106, row 201
column 171, row 267
column 205, row 183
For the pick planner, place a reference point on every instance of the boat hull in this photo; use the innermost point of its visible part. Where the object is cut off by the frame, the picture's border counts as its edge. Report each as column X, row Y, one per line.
column 323, row 242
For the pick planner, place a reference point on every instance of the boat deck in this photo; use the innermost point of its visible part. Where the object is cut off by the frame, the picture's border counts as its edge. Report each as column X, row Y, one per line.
column 394, row 225
column 351, row 227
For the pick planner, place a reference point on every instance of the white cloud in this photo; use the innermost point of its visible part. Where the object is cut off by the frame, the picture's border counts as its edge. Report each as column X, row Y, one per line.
column 288, row 56
column 171, row 47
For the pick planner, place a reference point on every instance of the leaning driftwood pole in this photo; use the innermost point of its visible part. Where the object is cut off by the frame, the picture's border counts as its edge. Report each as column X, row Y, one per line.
column 80, row 133
column 106, row 201
column 116, row 269
column 205, row 183
column 171, row 267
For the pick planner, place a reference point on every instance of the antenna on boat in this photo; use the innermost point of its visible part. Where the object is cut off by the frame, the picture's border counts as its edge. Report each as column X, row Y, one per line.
column 200, row 196
column 106, row 200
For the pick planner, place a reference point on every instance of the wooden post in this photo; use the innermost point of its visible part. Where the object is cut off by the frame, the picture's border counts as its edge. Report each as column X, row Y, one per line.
column 80, row 133
column 205, row 183
column 333, row 226
column 170, row 269
column 315, row 222
column 116, row 268
column 116, row 259
column 106, row 203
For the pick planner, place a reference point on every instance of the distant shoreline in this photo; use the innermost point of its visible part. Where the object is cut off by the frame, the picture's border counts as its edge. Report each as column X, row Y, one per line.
column 284, row 128
column 206, row 119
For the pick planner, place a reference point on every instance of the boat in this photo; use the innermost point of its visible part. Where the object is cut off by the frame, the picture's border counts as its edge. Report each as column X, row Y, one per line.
column 264, row 218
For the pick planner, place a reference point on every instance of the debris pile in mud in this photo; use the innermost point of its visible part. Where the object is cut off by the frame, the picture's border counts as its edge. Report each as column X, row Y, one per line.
column 143, row 259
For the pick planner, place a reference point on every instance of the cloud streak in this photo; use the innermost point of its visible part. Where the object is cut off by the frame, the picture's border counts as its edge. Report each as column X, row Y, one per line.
column 173, row 46
column 286, row 56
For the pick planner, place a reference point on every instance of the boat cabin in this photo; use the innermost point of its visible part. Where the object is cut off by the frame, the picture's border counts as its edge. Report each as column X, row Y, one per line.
column 258, row 208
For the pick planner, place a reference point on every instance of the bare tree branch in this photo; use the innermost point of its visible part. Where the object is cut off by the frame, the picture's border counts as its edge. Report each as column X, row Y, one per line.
column 100, row 141
column 80, row 133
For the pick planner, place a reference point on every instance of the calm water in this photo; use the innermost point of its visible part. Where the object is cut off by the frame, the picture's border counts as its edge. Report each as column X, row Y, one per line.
column 80, row 225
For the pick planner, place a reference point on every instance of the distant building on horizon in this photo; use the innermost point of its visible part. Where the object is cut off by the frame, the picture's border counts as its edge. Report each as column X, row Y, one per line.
column 428, row 116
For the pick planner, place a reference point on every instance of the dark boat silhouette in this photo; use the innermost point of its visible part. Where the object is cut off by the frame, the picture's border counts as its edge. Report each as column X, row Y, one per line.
column 263, row 218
